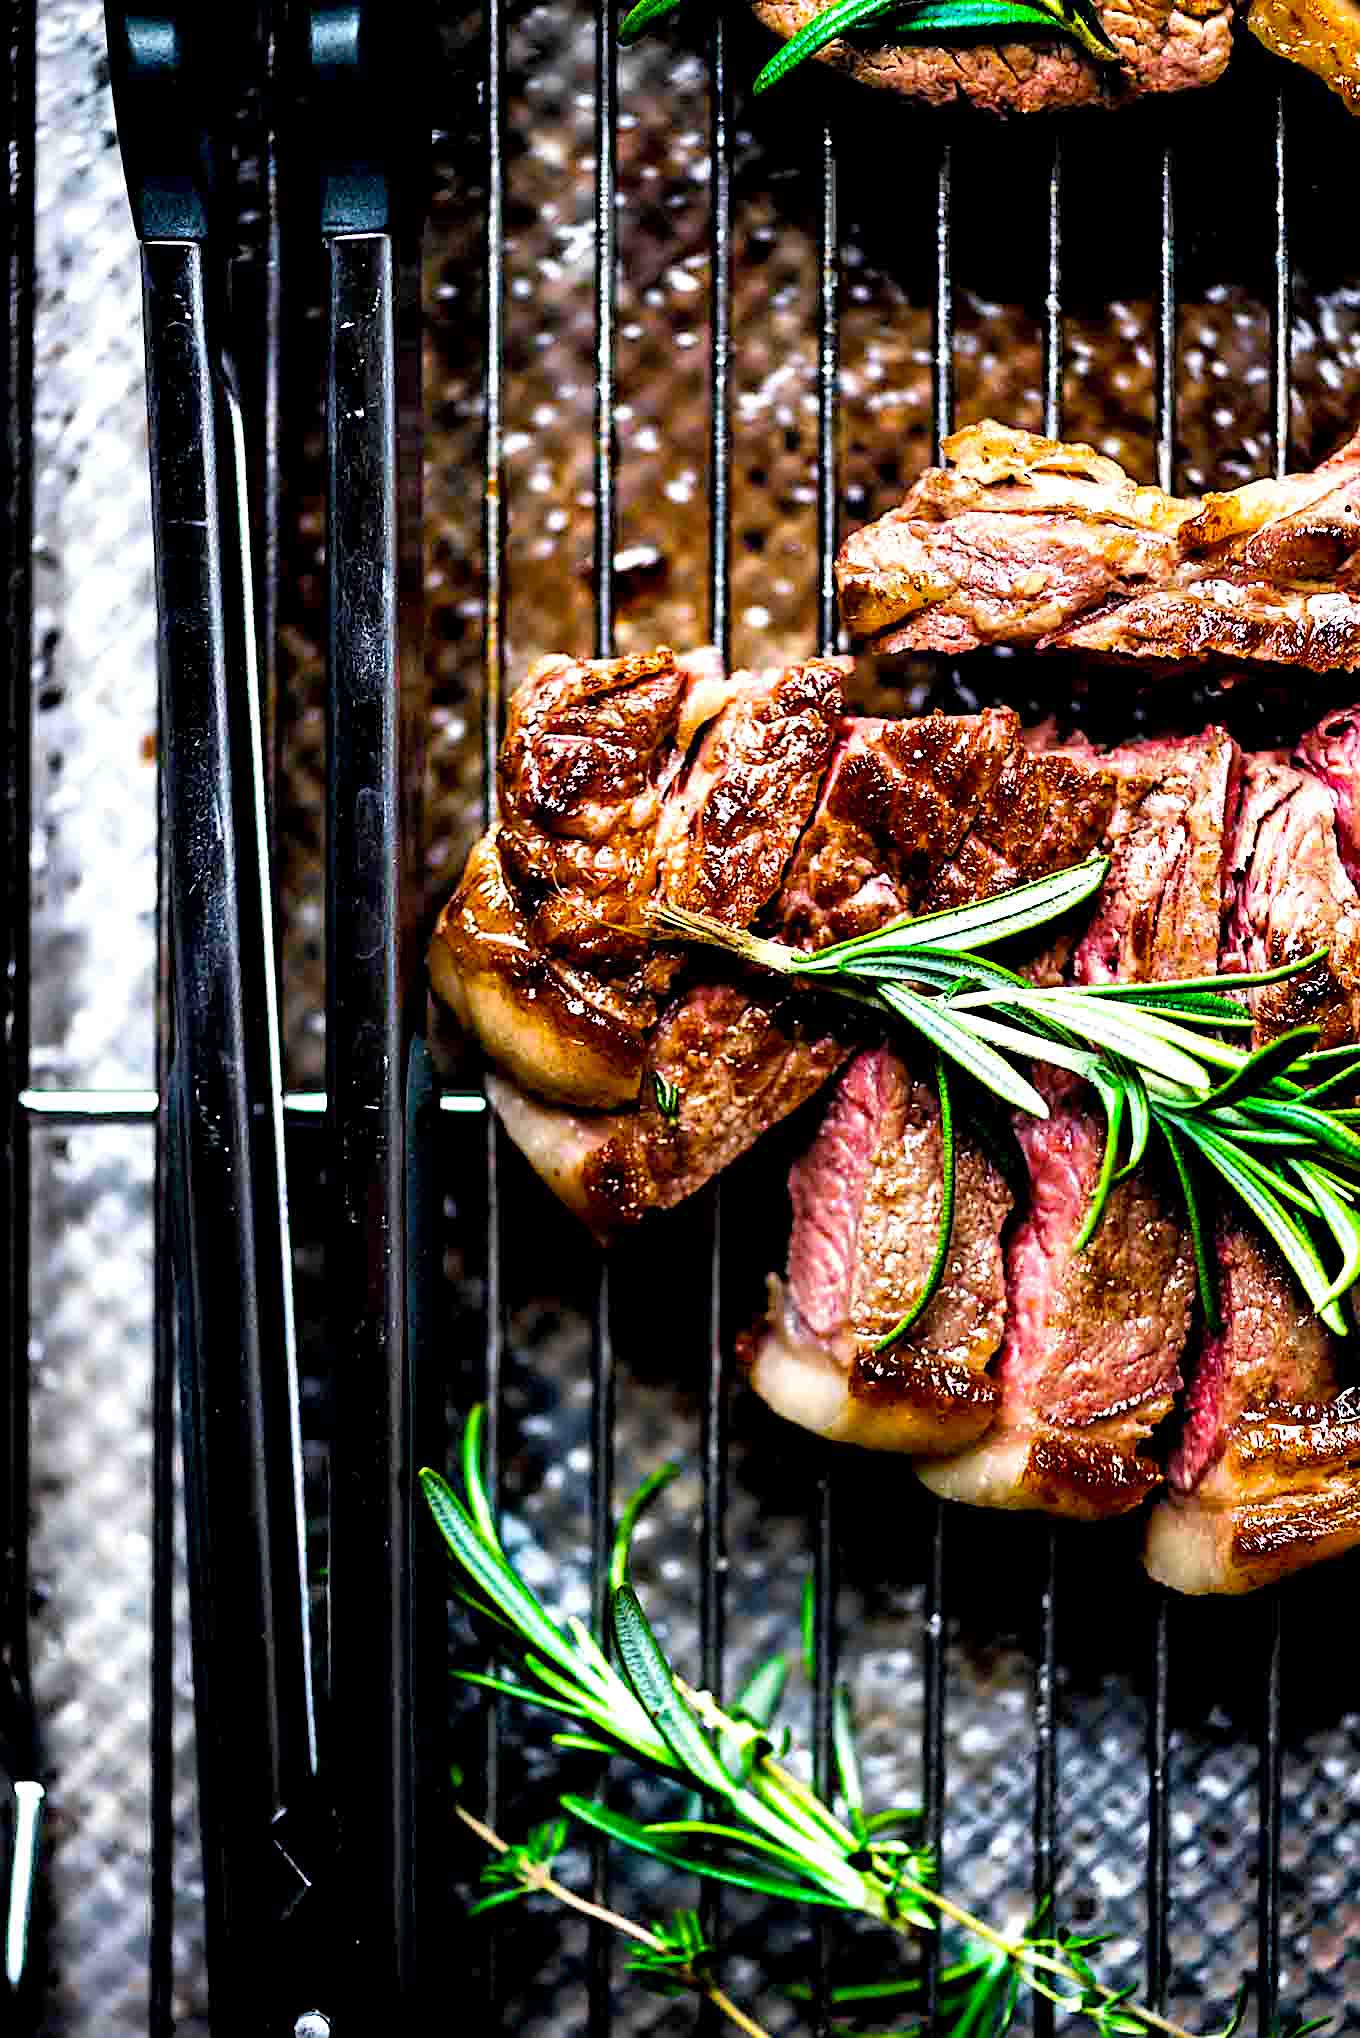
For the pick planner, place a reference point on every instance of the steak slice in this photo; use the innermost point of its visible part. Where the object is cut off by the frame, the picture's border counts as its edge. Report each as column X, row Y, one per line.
column 1090, row 1362
column 1025, row 540
column 1289, row 896
column 1164, row 48
column 739, row 1057
column 866, row 1204
column 543, row 953
column 1331, row 752
column 935, row 811
column 1266, row 1476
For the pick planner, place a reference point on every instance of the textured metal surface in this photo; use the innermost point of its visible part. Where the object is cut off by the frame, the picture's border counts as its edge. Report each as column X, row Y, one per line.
column 93, row 1025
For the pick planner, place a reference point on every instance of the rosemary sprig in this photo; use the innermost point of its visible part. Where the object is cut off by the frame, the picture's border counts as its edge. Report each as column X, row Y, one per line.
column 911, row 21
column 770, row 1833
column 1258, row 1123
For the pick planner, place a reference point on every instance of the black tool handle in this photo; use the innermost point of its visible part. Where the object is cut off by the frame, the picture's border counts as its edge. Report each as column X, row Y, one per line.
column 238, row 1383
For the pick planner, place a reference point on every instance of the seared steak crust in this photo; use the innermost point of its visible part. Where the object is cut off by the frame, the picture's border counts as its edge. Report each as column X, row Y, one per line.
column 934, row 811
column 1158, row 915
column 729, row 831
column 543, row 952
column 1025, row 540
column 866, row 1205
column 739, row 1057
column 1165, row 49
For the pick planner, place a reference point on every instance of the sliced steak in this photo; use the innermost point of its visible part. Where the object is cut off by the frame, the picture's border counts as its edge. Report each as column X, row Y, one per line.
column 543, row 953
column 1089, row 1365
column 1289, row 896
column 1024, row 540
column 1331, row 752
column 935, row 811
column 1158, row 914
column 729, row 830
column 1164, row 49
column 1090, row 1362
column 866, row 1206
column 1266, row 1476
column 739, row 1059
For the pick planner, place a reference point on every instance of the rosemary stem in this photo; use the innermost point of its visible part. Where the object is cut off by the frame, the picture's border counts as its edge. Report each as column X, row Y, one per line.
column 539, row 1879
column 1022, row 1954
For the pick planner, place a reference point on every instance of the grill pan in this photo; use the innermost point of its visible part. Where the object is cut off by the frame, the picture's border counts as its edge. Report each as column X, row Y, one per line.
column 1181, row 1778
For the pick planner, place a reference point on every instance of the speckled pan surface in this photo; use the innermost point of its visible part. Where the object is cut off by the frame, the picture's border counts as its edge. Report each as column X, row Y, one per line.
column 93, row 948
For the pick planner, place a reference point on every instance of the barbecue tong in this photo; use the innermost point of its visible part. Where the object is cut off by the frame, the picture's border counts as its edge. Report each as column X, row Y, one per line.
column 309, row 1888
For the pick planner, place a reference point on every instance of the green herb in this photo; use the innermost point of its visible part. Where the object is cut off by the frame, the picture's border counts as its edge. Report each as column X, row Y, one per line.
column 769, row 1832
column 1253, row 1122
column 667, row 1097
column 911, row 21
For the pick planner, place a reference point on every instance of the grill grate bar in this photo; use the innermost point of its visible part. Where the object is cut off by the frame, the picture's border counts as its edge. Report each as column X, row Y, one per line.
column 161, row 1949
column 1046, row 1664
column 828, row 511
column 1268, row 1871
column 493, row 692
column 1159, row 1721
column 139, row 1107
column 934, row 1642
column 600, row 2010
column 713, row 1434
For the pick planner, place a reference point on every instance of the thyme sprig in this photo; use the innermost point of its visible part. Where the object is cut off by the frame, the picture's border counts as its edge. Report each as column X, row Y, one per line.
column 1261, row 1123
column 901, row 21
column 770, row 1832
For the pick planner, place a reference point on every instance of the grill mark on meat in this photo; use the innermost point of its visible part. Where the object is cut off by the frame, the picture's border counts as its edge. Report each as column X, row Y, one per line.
column 727, row 834
column 1021, row 539
column 925, row 813
column 866, row 1201
column 543, row 952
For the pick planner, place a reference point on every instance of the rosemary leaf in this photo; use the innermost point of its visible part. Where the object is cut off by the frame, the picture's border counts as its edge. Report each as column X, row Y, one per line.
column 655, row 1483
column 639, row 1837
column 1260, row 1068
column 842, row 17
column 1111, row 1095
column 1340, row 1220
column 963, row 1046
column 642, row 17
column 649, row 1674
column 1204, row 1272
column 945, row 1230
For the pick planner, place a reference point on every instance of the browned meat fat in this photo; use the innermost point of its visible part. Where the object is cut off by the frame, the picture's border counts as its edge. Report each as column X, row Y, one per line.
column 738, row 1058
column 1266, row 1476
column 1024, row 540
column 1164, row 48
column 1090, row 1362
column 866, row 1206
column 1322, row 35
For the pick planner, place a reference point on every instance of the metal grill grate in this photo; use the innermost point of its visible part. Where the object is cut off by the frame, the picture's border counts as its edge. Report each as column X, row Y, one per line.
column 386, row 1702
